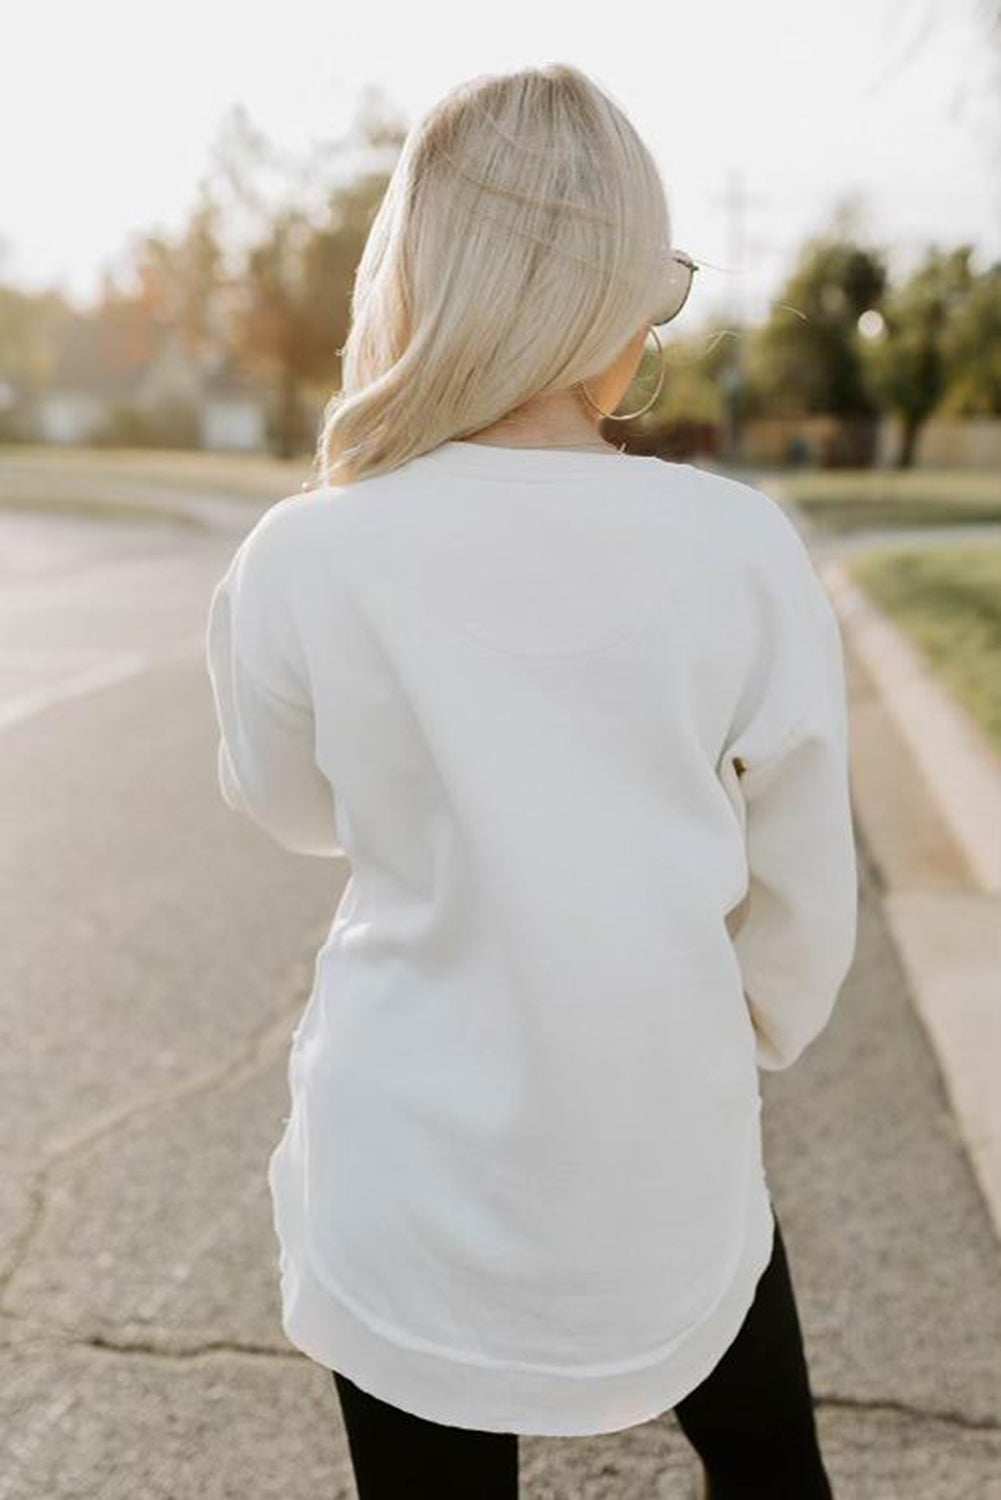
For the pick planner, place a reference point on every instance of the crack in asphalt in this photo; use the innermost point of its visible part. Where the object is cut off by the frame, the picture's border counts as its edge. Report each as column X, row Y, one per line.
column 182, row 1351
column 248, row 1059
column 946, row 1415
column 108, row 1344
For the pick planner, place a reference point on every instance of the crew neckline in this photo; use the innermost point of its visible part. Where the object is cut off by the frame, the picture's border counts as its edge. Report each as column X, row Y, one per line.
column 530, row 463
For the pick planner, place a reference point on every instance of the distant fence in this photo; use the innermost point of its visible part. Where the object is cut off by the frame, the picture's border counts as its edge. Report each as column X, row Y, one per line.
column 816, row 441
column 947, row 443
column 678, row 440
column 826, row 442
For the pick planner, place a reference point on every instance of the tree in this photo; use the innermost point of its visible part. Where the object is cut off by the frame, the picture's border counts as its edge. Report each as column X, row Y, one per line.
column 183, row 281
column 908, row 364
column 294, row 298
column 29, row 325
column 806, row 356
column 972, row 348
column 303, row 238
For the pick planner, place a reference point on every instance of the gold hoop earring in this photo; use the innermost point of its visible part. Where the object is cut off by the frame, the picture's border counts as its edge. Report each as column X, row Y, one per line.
column 628, row 415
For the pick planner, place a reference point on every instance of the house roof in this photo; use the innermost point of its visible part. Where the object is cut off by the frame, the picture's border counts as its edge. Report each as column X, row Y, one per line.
column 225, row 377
column 104, row 356
column 117, row 354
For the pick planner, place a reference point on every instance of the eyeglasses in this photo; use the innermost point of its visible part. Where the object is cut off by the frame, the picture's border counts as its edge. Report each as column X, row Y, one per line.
column 679, row 274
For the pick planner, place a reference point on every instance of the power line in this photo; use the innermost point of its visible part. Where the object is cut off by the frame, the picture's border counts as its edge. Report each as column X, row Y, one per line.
column 736, row 202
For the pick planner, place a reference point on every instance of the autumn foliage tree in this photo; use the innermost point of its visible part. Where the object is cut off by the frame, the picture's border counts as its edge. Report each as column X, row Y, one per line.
column 293, row 284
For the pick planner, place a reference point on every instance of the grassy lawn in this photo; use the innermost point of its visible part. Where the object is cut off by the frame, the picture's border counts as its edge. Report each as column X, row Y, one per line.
column 949, row 600
column 845, row 500
column 137, row 482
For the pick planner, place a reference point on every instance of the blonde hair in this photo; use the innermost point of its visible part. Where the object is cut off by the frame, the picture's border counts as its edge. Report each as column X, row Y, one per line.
column 516, row 250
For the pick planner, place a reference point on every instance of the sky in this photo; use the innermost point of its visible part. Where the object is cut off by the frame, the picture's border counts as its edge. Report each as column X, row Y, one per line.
column 108, row 111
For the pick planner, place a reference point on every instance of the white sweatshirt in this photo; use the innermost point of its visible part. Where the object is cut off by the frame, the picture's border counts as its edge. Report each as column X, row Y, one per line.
column 521, row 1186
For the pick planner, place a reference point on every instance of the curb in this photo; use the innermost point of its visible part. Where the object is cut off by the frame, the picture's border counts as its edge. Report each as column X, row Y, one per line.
column 206, row 513
column 926, row 786
column 959, row 763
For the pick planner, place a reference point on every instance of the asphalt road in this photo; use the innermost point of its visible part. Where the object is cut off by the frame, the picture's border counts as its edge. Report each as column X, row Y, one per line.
column 157, row 952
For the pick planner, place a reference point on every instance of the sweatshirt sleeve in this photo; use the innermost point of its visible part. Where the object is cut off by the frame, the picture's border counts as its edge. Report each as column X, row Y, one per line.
column 796, row 939
column 266, row 755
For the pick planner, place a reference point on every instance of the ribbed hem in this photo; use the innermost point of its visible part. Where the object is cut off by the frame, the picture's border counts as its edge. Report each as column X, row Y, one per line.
column 497, row 1398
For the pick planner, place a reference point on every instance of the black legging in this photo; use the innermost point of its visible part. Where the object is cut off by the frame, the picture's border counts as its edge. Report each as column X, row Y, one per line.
column 751, row 1422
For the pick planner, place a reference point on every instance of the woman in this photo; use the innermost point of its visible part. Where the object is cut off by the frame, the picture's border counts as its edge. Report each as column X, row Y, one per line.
column 577, row 719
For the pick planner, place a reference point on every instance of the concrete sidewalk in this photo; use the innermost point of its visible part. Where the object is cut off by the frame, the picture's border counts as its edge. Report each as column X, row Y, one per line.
column 927, row 791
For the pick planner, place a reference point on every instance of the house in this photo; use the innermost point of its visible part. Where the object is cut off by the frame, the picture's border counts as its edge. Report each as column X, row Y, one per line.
column 232, row 412
column 144, row 382
column 82, row 386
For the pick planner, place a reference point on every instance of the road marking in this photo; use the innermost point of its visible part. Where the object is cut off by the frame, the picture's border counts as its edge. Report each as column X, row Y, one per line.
column 104, row 674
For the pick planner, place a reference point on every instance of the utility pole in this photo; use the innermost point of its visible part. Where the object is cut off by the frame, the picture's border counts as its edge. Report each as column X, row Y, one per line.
column 736, row 201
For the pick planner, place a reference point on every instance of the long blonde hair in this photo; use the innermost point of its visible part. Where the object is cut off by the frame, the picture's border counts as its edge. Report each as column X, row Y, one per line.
column 516, row 250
